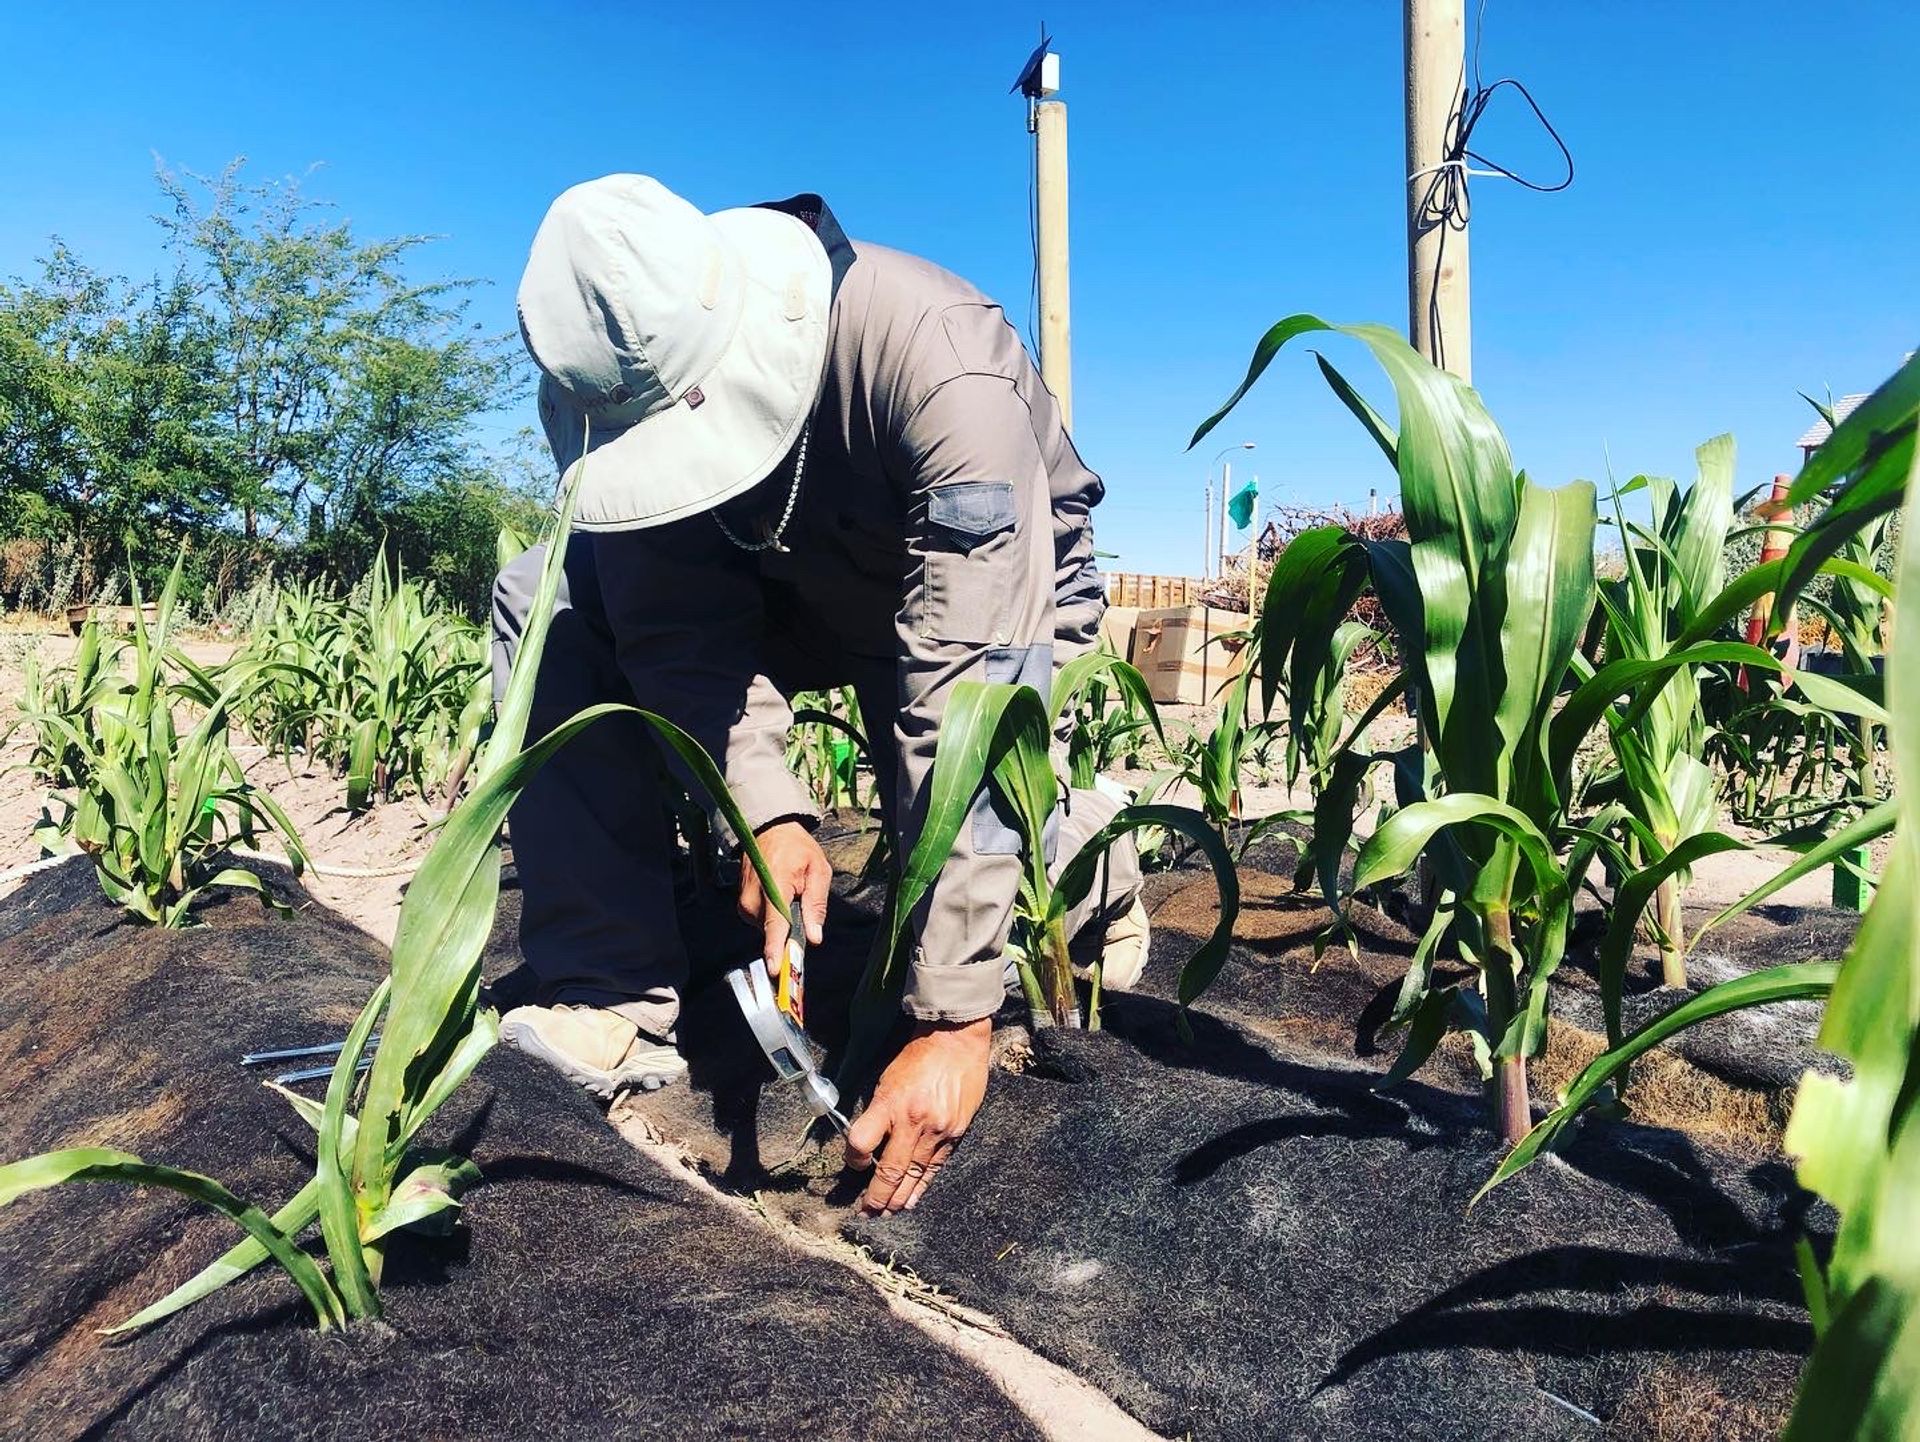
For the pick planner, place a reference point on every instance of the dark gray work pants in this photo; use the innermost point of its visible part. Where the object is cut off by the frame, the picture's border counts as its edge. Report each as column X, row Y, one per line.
column 592, row 838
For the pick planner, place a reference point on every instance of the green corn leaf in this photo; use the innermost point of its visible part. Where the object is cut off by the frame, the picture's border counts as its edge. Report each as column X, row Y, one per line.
column 508, row 545
column 246, row 880
column 449, row 910
column 1024, row 779
column 1855, row 1140
column 1870, row 432
column 961, row 765
column 1428, row 1026
column 103, row 1164
column 1860, row 832
column 291, row 1220
column 1643, row 676
column 428, row 1190
column 340, row 1220
column 1843, row 695
column 1416, row 985
column 1793, row 982
column 1856, row 1385
column 1081, row 672
column 1077, row 878
column 363, row 753
column 468, row 1054
column 1878, row 494
column 1549, row 594
column 1314, row 584
column 1698, row 534
column 1370, row 420
column 1392, row 850
column 814, row 716
column 1630, row 901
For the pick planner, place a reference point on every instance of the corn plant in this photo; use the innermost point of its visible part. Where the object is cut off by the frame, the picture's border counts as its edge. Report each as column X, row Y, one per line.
column 155, row 809
column 371, row 1174
column 1488, row 599
column 289, row 698
column 827, row 747
column 1216, row 763
column 372, row 1178
column 998, row 736
column 1108, row 711
column 388, row 686
column 411, row 674
column 1782, row 762
column 1855, row 1141
column 1674, row 566
column 60, row 705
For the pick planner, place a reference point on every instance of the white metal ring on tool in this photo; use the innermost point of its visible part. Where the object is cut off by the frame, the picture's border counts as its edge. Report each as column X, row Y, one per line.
column 786, row 1046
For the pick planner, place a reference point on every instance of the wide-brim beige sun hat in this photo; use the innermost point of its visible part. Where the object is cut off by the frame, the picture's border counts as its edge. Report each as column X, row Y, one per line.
column 683, row 352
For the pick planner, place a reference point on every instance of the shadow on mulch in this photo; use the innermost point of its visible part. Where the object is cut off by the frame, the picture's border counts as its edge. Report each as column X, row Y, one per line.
column 1729, row 1081
column 586, row 1293
column 1240, row 1237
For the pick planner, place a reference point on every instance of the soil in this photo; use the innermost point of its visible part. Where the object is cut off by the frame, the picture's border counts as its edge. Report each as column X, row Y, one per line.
column 1243, row 1237
column 587, row 1291
column 1729, row 1081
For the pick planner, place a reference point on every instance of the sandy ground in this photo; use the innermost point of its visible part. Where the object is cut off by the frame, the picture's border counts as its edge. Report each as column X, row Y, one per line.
column 361, row 864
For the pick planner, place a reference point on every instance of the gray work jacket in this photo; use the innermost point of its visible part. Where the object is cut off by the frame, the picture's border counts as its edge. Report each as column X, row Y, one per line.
column 941, row 533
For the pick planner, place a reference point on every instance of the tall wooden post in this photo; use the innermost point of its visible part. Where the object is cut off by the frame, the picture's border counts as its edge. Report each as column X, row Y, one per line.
column 1439, row 313
column 1050, row 184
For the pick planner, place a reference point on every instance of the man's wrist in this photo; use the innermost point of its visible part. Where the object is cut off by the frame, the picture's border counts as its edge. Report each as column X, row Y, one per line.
column 931, row 1028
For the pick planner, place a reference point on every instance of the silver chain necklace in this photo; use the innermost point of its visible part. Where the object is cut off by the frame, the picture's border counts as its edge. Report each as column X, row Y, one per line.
column 773, row 541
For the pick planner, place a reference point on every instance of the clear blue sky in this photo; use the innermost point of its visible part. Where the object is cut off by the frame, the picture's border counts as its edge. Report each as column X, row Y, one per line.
column 1743, row 223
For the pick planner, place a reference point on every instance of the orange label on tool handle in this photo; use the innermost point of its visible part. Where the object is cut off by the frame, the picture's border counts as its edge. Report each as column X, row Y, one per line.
column 791, row 997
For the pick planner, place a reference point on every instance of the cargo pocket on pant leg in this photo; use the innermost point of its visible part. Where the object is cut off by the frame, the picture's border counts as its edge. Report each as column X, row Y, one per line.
column 996, row 831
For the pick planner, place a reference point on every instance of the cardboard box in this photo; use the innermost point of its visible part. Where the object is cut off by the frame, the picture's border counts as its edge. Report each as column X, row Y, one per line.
column 1171, row 648
column 1116, row 629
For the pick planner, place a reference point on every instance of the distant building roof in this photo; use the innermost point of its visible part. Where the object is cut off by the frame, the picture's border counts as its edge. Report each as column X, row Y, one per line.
column 1818, row 432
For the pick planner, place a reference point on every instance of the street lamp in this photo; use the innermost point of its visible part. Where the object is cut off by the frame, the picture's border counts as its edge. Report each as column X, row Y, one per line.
column 1226, row 477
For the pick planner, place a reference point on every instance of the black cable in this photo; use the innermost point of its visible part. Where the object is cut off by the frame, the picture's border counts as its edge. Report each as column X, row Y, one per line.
column 1033, row 235
column 1445, row 202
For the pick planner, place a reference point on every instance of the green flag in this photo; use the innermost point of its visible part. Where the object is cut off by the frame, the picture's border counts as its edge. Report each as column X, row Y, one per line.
column 1241, row 506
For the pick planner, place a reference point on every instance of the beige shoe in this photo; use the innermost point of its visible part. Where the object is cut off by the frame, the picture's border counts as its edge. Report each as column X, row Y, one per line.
column 593, row 1047
column 1123, row 956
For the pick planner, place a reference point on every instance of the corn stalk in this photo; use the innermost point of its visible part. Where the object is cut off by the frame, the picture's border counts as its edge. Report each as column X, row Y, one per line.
column 1855, row 1140
column 154, row 808
column 1488, row 599
column 371, row 1176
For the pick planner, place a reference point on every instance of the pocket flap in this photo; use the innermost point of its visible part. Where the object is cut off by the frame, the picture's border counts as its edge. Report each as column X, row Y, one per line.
column 971, row 511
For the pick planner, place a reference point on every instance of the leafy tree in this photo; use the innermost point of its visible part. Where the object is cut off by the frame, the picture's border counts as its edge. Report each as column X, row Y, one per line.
column 339, row 382
column 103, row 424
column 285, row 395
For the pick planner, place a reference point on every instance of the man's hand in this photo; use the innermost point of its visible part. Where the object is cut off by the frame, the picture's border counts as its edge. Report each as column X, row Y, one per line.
column 922, row 1105
column 801, row 869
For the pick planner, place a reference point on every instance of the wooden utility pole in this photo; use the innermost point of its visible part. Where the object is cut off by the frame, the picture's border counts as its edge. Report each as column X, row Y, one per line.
column 1050, row 185
column 1039, row 81
column 1439, row 312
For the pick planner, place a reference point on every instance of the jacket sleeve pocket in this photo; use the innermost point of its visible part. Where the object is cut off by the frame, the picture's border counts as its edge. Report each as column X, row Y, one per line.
column 973, row 552
column 967, row 513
